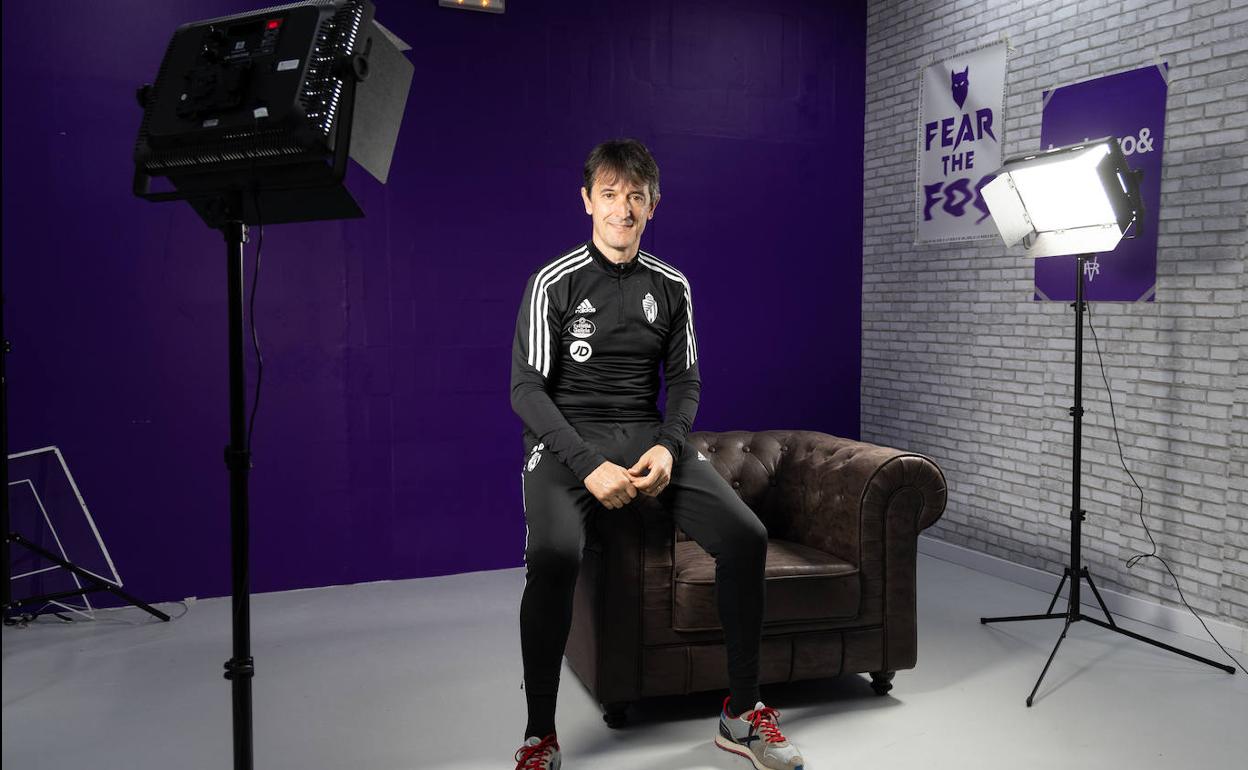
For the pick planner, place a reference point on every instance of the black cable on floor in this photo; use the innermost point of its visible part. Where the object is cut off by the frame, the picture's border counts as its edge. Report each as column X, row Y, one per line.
column 1137, row 558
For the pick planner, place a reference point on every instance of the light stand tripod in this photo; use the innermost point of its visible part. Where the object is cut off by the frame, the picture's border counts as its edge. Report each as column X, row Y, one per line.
column 240, row 668
column 261, row 111
column 1077, row 572
column 227, row 210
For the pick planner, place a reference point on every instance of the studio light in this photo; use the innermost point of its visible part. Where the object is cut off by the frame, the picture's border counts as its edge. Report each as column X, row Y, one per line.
column 260, row 112
column 252, row 119
column 1077, row 199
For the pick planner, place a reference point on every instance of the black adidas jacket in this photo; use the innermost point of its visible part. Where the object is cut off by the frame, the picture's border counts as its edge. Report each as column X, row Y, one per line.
column 589, row 339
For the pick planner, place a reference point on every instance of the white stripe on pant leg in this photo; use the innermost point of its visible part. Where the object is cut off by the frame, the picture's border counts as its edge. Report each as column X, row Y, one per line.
column 525, row 506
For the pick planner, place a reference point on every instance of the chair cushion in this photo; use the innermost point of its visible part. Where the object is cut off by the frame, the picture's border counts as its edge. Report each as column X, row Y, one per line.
column 803, row 584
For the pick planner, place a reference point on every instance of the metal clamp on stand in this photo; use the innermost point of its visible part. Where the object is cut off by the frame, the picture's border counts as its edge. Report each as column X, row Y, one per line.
column 237, row 459
column 244, row 668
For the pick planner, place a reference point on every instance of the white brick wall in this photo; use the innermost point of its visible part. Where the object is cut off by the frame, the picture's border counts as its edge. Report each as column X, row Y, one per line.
column 960, row 364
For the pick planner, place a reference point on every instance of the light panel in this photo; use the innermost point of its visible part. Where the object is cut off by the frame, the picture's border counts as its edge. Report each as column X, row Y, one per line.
column 1066, row 193
column 1076, row 199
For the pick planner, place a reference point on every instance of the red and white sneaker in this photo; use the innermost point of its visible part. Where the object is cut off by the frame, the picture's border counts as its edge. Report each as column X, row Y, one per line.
column 539, row 754
column 756, row 736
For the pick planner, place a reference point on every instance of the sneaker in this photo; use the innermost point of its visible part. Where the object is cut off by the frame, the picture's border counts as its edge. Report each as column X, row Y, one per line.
column 539, row 754
column 756, row 736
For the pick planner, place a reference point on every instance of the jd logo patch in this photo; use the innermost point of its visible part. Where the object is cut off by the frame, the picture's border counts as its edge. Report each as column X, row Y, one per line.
column 581, row 351
column 582, row 328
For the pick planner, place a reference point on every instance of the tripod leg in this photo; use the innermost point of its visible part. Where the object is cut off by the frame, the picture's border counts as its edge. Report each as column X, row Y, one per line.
column 1058, row 592
column 1162, row 645
column 98, row 583
column 149, row 609
column 1047, row 663
column 1097, row 593
column 1047, row 613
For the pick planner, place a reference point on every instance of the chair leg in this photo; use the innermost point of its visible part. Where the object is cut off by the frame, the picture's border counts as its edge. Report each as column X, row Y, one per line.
column 882, row 681
column 615, row 714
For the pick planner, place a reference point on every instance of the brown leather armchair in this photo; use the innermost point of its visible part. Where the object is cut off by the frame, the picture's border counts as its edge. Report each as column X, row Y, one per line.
column 843, row 518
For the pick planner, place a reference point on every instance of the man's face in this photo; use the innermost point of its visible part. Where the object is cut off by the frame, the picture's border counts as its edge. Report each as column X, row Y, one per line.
column 620, row 210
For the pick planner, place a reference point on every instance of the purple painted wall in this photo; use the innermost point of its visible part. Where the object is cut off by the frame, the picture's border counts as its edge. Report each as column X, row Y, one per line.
column 385, row 444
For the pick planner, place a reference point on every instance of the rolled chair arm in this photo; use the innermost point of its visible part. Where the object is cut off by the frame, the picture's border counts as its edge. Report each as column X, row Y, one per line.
column 834, row 495
column 866, row 504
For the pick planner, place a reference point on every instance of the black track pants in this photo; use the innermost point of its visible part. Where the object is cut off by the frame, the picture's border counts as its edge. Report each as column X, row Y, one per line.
column 557, row 507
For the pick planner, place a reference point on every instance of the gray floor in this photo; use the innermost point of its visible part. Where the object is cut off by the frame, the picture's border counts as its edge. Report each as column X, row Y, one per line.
column 425, row 673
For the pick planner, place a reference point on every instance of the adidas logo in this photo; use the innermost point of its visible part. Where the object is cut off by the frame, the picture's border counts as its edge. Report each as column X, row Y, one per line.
column 586, row 307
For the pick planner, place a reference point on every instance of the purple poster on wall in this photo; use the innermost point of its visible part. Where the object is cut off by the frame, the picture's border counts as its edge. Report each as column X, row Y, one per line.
column 1131, row 106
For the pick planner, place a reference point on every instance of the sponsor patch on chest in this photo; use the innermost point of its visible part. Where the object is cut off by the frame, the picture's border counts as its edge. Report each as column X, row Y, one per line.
column 582, row 328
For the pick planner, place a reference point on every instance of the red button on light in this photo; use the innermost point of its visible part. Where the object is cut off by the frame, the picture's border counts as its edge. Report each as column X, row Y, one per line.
column 273, row 24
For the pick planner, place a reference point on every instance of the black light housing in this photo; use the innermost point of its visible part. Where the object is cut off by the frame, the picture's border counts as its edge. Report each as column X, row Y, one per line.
column 258, row 100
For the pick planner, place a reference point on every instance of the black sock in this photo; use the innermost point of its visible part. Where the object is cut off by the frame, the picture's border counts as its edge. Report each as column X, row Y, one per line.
column 738, row 705
column 541, row 715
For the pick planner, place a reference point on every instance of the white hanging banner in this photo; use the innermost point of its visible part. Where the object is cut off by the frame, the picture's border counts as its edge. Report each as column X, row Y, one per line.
column 960, row 131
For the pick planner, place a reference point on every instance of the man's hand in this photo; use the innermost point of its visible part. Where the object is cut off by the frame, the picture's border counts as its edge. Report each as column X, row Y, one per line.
column 652, row 472
column 611, row 484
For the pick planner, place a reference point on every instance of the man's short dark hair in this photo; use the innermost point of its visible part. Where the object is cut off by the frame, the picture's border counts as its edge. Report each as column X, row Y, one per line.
column 626, row 159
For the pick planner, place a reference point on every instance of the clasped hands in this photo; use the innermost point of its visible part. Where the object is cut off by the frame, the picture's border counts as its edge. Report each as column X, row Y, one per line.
column 615, row 486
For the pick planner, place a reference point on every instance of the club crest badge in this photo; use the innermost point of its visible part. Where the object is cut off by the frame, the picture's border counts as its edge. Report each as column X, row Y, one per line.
column 581, row 351
column 535, row 457
column 650, row 307
column 582, row 328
